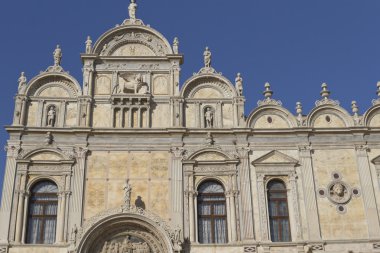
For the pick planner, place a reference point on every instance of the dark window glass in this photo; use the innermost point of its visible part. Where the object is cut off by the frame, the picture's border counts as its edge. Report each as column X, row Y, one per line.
column 278, row 212
column 212, row 216
column 42, row 214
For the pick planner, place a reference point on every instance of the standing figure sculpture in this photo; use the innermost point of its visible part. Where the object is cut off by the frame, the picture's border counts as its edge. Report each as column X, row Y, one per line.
column 51, row 117
column 22, row 83
column 57, row 56
column 132, row 10
column 239, row 84
column 127, row 194
column 175, row 45
column 88, row 45
column 209, row 117
column 207, row 57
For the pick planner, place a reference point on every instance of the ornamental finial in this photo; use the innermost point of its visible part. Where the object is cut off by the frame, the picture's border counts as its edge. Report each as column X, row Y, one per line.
column 207, row 57
column 132, row 10
column 57, row 56
column 325, row 93
column 355, row 108
column 267, row 92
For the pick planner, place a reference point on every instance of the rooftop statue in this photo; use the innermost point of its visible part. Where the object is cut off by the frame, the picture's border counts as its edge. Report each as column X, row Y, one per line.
column 239, row 84
column 175, row 45
column 88, row 45
column 57, row 56
column 207, row 57
column 132, row 10
column 22, row 83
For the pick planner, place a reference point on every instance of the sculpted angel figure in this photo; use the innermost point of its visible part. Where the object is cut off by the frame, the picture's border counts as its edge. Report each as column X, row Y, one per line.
column 132, row 10
column 22, row 83
column 57, row 56
column 207, row 57
column 239, row 84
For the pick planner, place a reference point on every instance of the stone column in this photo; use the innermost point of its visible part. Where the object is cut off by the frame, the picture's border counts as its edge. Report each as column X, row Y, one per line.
column 231, row 207
column 40, row 112
column 177, row 185
column 20, row 208
column 309, row 191
column 245, row 195
column 198, row 114
column 229, row 218
column 180, row 123
column 88, row 113
column 295, row 205
column 8, row 188
column 262, row 208
column 367, row 191
column 62, row 112
column 24, row 111
column 77, row 186
column 192, row 218
column 131, row 117
column 139, row 117
column 24, row 226
column 60, row 218
column 236, row 116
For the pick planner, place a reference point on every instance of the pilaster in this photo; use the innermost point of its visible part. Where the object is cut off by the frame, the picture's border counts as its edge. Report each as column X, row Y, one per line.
column 309, row 190
column 367, row 191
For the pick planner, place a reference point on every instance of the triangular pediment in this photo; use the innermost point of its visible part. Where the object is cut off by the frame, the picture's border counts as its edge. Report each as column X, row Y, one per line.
column 376, row 160
column 275, row 158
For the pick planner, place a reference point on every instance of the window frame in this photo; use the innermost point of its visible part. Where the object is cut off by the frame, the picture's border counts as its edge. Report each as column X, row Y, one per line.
column 212, row 217
column 41, row 217
column 277, row 202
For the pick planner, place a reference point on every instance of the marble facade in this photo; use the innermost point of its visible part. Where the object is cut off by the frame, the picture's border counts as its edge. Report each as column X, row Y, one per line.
column 132, row 119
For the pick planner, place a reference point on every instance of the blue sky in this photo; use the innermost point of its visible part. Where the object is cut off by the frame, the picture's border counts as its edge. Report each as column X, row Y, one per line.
column 294, row 44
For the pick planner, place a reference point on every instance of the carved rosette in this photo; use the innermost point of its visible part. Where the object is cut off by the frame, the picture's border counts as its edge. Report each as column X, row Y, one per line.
column 339, row 192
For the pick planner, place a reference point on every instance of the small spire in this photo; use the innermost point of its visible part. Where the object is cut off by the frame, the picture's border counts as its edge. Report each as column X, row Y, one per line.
column 325, row 93
column 176, row 45
column 132, row 10
column 378, row 89
column 88, row 45
column 207, row 57
column 299, row 108
column 267, row 92
column 57, row 56
column 355, row 108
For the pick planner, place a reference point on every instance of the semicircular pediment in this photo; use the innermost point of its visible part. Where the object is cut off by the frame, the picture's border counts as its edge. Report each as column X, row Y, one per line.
column 132, row 41
column 208, row 87
column 53, row 86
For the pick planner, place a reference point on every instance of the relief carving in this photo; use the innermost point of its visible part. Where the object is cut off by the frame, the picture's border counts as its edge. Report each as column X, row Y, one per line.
column 132, row 83
column 127, row 245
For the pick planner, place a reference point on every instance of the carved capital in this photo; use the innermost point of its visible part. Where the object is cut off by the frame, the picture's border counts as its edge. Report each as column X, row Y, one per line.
column 305, row 149
column 12, row 151
column 178, row 152
column 362, row 148
column 81, row 152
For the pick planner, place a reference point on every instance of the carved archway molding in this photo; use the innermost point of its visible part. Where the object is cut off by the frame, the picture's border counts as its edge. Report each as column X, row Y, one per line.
column 132, row 221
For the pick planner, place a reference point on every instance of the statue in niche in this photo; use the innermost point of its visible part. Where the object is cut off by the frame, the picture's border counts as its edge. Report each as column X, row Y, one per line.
column 57, row 56
column 134, row 83
column 132, row 10
column 239, row 84
column 176, row 45
column 22, row 83
column 88, row 45
column 127, row 194
column 51, row 117
column 207, row 57
column 209, row 117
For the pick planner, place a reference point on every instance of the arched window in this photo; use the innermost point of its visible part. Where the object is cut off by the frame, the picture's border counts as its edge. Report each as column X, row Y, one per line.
column 278, row 212
column 42, row 214
column 212, row 215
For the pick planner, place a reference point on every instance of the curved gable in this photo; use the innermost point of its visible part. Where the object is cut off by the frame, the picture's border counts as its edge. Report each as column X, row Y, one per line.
column 267, row 117
column 329, row 116
column 132, row 40
column 208, row 86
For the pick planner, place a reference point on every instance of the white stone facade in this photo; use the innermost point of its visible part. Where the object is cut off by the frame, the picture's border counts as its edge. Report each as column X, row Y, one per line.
column 132, row 119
